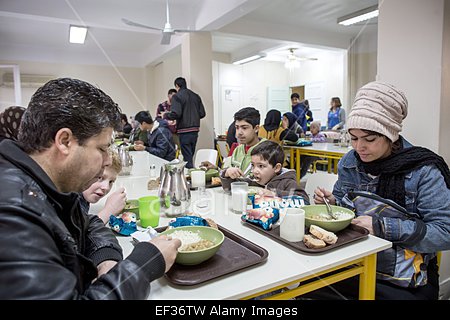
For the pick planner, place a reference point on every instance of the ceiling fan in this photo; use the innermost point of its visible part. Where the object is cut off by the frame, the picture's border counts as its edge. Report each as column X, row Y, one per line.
column 293, row 61
column 167, row 31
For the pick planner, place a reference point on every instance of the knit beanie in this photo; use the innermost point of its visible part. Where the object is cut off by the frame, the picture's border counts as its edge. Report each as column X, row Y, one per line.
column 379, row 107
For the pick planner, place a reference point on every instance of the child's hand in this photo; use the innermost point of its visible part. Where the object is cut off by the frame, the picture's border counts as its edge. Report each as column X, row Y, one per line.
column 266, row 192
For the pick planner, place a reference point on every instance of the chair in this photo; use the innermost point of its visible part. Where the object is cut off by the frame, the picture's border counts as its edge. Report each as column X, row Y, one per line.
column 319, row 179
column 205, row 155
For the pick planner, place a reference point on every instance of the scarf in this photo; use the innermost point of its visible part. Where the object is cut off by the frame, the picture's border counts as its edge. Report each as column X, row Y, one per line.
column 9, row 122
column 272, row 121
column 393, row 169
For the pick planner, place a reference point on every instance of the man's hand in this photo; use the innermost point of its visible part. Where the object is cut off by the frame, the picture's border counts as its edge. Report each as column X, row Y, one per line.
column 168, row 248
column 105, row 266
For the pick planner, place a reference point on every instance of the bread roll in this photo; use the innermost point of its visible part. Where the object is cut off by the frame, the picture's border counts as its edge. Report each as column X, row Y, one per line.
column 327, row 236
column 313, row 242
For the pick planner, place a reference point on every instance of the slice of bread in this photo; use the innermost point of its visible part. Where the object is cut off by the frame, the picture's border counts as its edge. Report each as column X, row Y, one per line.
column 327, row 236
column 312, row 242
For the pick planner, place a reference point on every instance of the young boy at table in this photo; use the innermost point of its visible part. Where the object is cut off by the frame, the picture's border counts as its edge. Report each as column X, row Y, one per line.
column 267, row 168
column 246, row 122
column 116, row 201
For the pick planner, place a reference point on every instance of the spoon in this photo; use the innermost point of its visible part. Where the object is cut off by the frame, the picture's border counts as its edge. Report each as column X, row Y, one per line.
column 329, row 211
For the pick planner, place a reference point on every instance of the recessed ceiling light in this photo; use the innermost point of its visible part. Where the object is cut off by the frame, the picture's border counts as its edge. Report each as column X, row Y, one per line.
column 77, row 34
column 358, row 16
column 249, row 59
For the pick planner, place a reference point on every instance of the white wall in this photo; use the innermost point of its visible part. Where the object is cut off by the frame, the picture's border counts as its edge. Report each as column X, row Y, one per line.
column 126, row 86
column 410, row 55
column 255, row 77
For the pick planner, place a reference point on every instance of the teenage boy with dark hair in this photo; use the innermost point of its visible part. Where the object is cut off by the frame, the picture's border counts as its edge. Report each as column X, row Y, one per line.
column 160, row 141
column 299, row 109
column 246, row 122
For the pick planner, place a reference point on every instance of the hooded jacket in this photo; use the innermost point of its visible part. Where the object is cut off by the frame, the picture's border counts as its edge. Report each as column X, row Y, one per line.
column 54, row 247
column 285, row 184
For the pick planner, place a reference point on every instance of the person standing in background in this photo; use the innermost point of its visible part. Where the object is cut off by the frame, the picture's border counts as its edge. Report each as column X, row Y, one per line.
column 162, row 109
column 187, row 109
column 299, row 109
column 336, row 115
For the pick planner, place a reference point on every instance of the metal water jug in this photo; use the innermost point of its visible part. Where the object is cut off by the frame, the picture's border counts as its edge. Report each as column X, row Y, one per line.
column 174, row 194
column 126, row 160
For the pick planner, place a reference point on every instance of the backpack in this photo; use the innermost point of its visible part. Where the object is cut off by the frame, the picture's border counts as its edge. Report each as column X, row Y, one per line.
column 397, row 264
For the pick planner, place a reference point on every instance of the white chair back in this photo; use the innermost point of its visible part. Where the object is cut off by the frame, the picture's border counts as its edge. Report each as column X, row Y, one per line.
column 205, row 155
column 319, row 179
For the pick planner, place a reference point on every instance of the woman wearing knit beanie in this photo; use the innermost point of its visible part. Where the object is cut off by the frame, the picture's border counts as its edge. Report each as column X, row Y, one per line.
column 413, row 181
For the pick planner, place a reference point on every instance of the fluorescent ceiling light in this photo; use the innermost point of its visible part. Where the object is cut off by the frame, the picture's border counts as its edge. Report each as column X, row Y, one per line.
column 358, row 16
column 77, row 34
column 252, row 58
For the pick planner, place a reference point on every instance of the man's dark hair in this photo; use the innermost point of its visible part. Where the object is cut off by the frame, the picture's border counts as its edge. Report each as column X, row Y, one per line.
column 123, row 117
column 295, row 95
column 269, row 151
column 248, row 114
column 171, row 91
column 66, row 103
column 143, row 116
column 181, row 82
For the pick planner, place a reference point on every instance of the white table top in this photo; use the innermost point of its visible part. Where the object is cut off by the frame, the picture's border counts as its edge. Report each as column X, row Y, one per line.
column 283, row 264
column 324, row 146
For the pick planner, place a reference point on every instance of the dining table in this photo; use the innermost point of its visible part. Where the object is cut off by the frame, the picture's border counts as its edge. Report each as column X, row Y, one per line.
column 333, row 152
column 281, row 273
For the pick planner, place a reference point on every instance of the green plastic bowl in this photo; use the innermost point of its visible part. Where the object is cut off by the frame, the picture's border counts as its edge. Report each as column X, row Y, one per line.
column 196, row 257
column 312, row 212
column 132, row 205
column 208, row 174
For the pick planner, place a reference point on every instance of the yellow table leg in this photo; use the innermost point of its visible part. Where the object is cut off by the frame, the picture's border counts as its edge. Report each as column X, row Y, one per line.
column 292, row 164
column 367, row 279
column 297, row 161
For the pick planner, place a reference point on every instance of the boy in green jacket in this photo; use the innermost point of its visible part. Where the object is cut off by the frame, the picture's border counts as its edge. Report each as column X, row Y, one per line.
column 246, row 121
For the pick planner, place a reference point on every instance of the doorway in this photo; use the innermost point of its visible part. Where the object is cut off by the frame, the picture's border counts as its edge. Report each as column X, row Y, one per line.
column 300, row 90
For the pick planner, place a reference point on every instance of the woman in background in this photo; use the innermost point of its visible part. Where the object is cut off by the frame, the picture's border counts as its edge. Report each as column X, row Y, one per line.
column 336, row 115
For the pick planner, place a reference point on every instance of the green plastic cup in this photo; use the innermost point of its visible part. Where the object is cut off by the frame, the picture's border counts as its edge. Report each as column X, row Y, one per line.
column 149, row 210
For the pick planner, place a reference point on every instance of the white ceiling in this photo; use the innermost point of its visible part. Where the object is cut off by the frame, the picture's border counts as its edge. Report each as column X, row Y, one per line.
column 37, row 30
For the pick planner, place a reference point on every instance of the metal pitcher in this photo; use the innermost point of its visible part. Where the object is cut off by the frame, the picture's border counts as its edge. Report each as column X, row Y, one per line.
column 126, row 160
column 174, row 194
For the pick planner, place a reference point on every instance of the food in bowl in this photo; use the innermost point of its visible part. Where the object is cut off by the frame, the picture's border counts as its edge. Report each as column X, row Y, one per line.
column 132, row 205
column 317, row 215
column 191, row 241
column 198, row 245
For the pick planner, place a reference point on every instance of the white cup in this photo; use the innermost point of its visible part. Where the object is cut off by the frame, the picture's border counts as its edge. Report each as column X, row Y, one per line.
column 239, row 196
column 198, row 178
column 292, row 228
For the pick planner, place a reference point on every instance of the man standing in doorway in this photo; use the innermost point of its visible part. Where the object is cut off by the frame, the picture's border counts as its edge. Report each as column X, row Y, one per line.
column 187, row 108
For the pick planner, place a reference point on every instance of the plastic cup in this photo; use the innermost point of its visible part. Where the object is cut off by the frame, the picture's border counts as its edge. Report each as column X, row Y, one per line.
column 239, row 196
column 198, row 178
column 292, row 228
column 149, row 210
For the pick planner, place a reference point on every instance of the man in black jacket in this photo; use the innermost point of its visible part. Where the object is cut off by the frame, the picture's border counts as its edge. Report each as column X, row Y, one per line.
column 187, row 108
column 52, row 249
